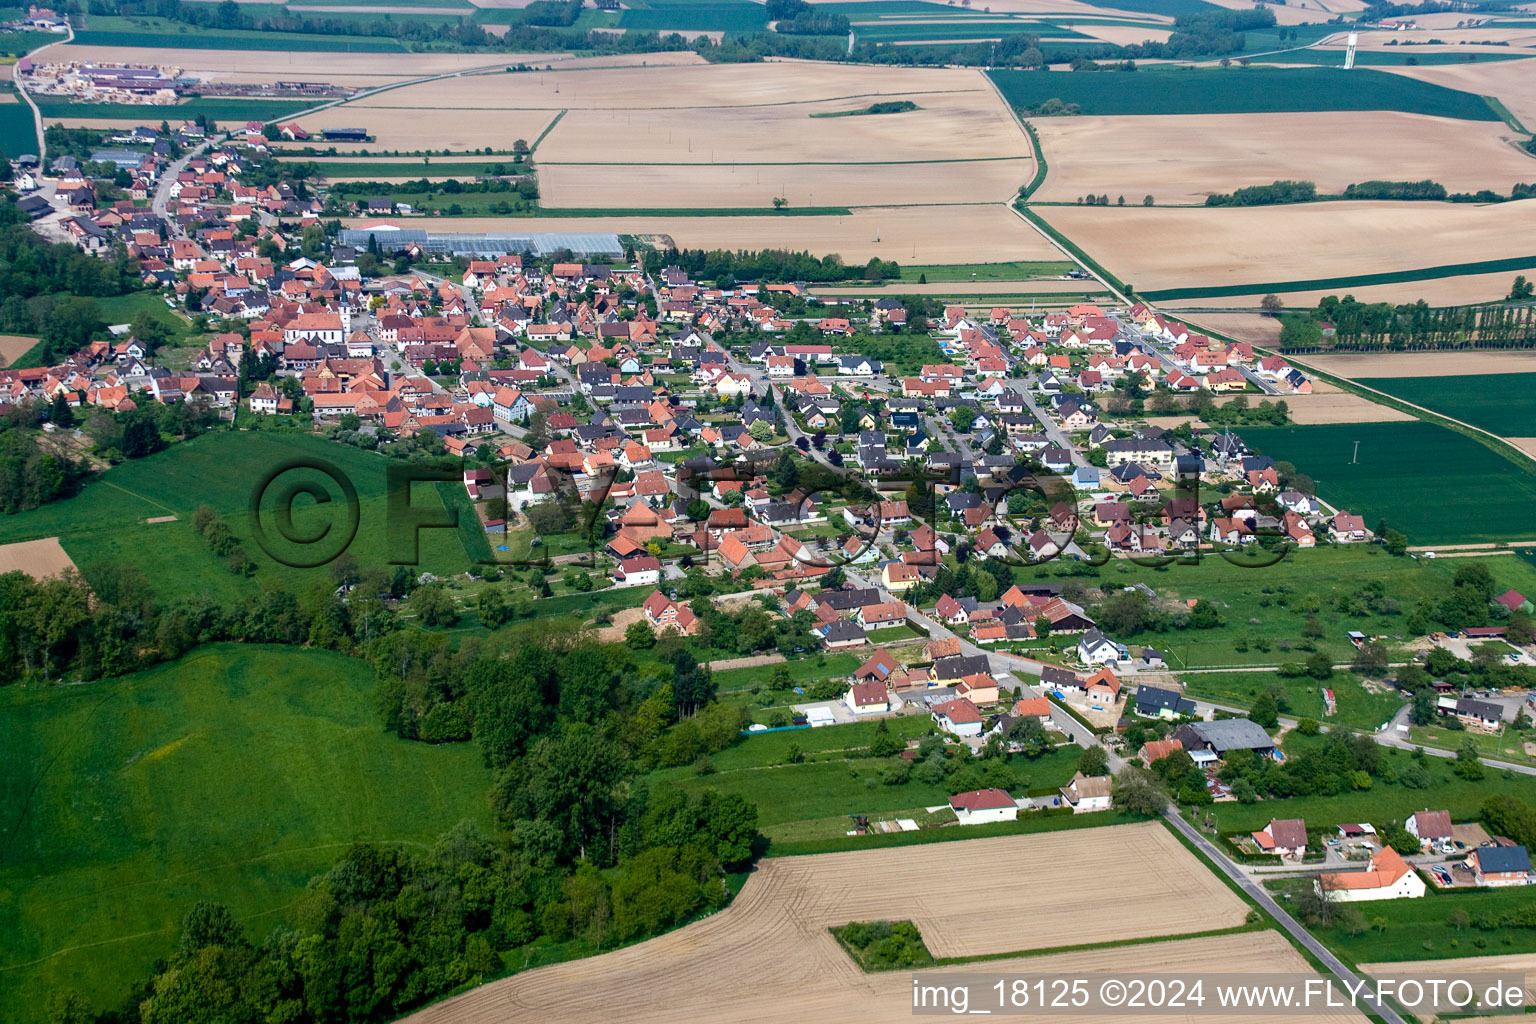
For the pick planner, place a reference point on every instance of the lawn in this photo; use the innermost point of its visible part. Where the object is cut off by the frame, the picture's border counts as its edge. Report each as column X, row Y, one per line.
column 1262, row 606
column 232, row 775
column 1384, row 802
column 811, row 800
column 1500, row 403
column 1435, row 485
column 1505, row 745
column 106, row 522
column 1357, row 708
column 1240, row 91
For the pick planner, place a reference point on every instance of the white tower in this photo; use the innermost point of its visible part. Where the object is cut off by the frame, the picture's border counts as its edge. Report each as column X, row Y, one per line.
column 1349, row 55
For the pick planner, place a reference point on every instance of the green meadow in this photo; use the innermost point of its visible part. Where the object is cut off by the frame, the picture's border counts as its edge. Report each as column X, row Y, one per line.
column 234, row 775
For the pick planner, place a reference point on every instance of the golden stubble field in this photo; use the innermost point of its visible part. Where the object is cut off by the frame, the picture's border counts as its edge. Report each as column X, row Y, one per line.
column 1443, row 291
column 720, row 136
column 1173, row 248
column 770, row 959
column 910, row 234
column 1184, row 158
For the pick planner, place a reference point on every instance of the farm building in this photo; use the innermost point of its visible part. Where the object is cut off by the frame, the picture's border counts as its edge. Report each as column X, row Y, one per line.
column 1388, row 877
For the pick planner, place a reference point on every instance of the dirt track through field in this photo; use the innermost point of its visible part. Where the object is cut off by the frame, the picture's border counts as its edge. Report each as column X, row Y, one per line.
column 769, row 958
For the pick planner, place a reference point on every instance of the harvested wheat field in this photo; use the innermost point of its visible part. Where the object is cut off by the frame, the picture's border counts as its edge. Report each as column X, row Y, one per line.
column 39, row 559
column 1440, row 291
column 1228, row 246
column 13, row 347
column 1339, row 407
column 1423, row 364
column 769, row 957
column 416, row 128
column 1184, row 158
column 908, row 234
column 1501, row 963
column 1525, row 444
column 1512, row 81
column 714, row 187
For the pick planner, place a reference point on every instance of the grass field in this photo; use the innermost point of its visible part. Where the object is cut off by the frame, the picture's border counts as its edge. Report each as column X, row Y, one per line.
column 232, row 775
column 812, row 799
column 365, row 170
column 1262, row 606
column 1239, row 91
column 959, row 29
column 1434, row 484
column 160, row 34
column 1420, row 929
column 1304, row 696
column 219, row 108
column 18, row 133
column 106, row 522
column 1016, row 271
column 704, row 16
column 1383, row 802
column 1500, row 403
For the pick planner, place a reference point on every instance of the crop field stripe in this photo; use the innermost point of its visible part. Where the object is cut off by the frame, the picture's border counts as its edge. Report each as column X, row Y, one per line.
column 547, row 129
column 1241, row 91
column 1478, row 494
column 1466, row 398
column 276, row 41
column 1356, row 281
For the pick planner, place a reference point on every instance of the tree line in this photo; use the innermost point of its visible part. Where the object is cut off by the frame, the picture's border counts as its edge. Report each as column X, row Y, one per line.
column 1377, row 326
column 768, row 266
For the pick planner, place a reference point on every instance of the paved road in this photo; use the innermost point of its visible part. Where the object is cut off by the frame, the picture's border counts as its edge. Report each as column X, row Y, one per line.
column 1048, row 424
column 1261, row 896
column 160, row 205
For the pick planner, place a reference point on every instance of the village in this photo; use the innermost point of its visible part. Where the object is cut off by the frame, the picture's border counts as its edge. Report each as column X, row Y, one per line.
column 964, row 534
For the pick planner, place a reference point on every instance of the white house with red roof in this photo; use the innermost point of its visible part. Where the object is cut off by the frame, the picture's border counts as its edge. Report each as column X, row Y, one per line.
column 981, row 806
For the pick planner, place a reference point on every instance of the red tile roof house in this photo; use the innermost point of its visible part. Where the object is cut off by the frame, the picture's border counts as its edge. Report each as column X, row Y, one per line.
column 1283, row 837
column 980, row 806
